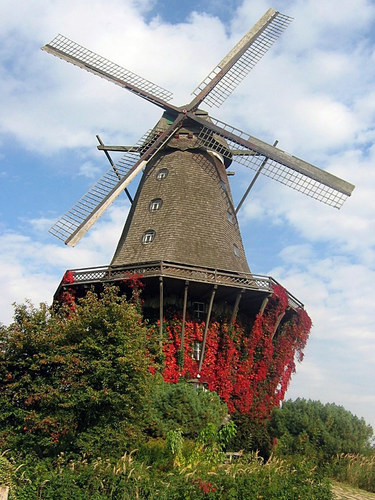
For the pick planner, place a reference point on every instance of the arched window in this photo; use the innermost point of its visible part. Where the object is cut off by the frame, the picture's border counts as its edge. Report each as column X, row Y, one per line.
column 148, row 236
column 236, row 250
column 155, row 204
column 162, row 174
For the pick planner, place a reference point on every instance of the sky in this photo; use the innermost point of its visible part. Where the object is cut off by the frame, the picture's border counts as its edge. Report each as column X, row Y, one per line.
column 314, row 92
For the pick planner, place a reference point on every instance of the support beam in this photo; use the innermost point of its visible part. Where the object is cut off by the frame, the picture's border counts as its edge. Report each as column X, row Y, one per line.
column 182, row 350
column 235, row 308
column 253, row 181
column 161, row 312
column 263, row 306
column 114, row 167
column 278, row 321
column 206, row 328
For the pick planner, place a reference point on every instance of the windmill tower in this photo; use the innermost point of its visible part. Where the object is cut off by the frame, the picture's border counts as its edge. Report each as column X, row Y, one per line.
column 182, row 233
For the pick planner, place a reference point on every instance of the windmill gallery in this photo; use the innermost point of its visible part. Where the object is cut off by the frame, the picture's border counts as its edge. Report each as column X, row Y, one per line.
column 213, row 321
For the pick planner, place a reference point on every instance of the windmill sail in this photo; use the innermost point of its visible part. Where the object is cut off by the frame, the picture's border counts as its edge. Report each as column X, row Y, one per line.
column 281, row 166
column 236, row 65
column 69, row 228
column 74, row 53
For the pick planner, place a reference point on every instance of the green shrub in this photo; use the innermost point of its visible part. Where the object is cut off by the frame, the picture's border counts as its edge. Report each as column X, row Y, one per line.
column 128, row 478
column 74, row 380
column 251, row 436
column 319, row 431
column 183, row 407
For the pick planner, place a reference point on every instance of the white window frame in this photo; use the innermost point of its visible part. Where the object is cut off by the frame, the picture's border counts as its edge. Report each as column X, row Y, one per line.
column 162, row 174
column 155, row 204
column 199, row 309
column 148, row 236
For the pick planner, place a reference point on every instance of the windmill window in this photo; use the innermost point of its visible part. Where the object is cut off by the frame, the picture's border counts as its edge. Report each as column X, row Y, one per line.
column 223, row 185
column 197, row 351
column 199, row 309
column 230, row 217
column 236, row 250
column 155, row 204
column 148, row 236
column 162, row 174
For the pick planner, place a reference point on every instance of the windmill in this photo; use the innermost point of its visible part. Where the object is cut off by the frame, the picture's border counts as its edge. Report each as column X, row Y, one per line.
column 182, row 231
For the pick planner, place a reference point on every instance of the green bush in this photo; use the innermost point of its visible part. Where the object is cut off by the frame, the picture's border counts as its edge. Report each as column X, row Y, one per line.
column 319, row 431
column 74, row 381
column 252, row 436
column 127, row 478
column 182, row 406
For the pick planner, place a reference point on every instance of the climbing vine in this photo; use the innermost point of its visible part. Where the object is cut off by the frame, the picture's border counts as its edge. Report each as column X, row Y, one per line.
column 250, row 371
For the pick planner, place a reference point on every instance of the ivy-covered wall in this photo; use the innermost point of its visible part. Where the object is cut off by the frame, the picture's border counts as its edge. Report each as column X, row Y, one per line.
column 250, row 371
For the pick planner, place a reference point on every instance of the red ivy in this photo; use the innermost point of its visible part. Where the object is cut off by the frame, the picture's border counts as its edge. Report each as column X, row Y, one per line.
column 68, row 277
column 133, row 281
column 68, row 297
column 250, row 371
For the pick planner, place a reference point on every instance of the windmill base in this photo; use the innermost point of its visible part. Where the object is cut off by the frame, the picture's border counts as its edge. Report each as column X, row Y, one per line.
column 235, row 333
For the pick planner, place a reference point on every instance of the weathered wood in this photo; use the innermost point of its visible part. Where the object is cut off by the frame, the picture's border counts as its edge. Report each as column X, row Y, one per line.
column 253, row 181
column 184, row 317
column 278, row 321
column 206, row 327
column 235, row 307
column 113, row 166
column 161, row 312
column 263, row 306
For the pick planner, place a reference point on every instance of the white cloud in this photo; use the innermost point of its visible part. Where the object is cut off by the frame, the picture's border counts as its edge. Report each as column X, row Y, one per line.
column 31, row 269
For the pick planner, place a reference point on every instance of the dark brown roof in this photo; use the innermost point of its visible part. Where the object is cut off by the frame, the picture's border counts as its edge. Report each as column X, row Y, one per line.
column 196, row 223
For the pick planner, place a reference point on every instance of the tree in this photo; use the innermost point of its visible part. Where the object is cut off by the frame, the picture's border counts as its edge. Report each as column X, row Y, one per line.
column 183, row 407
column 74, row 379
column 316, row 429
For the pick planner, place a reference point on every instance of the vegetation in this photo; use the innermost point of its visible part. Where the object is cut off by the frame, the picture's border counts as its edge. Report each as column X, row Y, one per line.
column 83, row 417
column 182, row 407
column 313, row 429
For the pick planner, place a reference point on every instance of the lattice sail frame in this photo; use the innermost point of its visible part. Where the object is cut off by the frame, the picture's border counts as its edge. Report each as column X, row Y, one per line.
column 72, row 52
column 277, row 170
column 70, row 222
column 248, row 52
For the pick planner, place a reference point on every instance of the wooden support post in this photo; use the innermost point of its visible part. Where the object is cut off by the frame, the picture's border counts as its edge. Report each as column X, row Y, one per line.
column 161, row 312
column 263, row 306
column 183, row 321
column 206, row 327
column 277, row 323
column 235, row 308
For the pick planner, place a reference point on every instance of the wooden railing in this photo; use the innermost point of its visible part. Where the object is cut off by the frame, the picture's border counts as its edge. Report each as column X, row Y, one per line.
column 247, row 281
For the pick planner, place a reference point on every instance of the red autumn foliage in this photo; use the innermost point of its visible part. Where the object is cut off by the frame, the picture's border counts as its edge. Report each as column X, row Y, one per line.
column 68, row 297
column 68, row 277
column 250, row 371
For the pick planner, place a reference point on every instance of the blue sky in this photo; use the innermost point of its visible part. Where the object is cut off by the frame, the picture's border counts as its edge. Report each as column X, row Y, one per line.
column 314, row 92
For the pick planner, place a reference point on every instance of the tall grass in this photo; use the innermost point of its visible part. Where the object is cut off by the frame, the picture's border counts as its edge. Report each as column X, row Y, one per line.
column 356, row 470
column 128, row 478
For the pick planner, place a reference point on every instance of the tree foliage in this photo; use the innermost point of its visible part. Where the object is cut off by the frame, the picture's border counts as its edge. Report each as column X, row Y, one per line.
column 312, row 428
column 73, row 380
column 182, row 406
